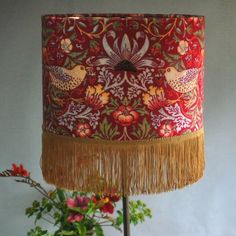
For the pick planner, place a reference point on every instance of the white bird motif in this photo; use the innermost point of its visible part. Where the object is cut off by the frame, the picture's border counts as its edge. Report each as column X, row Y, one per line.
column 67, row 79
column 182, row 81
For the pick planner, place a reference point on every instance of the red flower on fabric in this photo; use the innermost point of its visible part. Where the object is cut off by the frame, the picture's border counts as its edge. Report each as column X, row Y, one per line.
column 166, row 130
column 83, row 130
column 19, row 170
column 125, row 116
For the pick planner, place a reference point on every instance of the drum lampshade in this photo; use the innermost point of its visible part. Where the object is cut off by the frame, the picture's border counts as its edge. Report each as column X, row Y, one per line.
column 123, row 102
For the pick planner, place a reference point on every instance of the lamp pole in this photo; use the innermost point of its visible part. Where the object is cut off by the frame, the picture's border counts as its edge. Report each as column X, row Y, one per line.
column 126, row 220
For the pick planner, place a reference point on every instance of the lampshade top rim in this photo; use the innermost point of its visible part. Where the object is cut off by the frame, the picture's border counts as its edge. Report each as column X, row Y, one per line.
column 120, row 15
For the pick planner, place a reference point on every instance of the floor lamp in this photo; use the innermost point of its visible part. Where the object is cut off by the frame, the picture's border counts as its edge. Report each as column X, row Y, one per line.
column 122, row 102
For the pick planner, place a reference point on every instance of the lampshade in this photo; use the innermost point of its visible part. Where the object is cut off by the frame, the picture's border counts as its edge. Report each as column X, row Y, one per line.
column 123, row 102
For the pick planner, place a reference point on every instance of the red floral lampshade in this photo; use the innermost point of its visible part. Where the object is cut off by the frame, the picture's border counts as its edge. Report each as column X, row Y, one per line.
column 122, row 101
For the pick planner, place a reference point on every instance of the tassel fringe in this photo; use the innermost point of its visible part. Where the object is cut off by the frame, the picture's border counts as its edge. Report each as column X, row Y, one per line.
column 123, row 167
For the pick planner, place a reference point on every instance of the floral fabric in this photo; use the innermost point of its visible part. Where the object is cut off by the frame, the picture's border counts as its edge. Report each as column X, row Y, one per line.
column 122, row 77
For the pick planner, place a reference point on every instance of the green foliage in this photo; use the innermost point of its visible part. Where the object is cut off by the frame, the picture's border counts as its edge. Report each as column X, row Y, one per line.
column 54, row 210
column 106, row 130
column 38, row 231
column 173, row 59
column 77, row 214
column 137, row 106
column 113, row 106
column 138, row 212
column 116, row 24
column 75, row 58
column 142, row 132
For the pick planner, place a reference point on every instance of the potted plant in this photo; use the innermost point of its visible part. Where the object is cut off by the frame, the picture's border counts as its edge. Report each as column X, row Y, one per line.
column 75, row 213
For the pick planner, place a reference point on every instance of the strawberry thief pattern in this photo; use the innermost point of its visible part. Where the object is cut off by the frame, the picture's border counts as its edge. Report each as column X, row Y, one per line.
column 123, row 101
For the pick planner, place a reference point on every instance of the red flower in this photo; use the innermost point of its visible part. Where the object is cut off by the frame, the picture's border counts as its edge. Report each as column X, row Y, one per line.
column 83, row 130
column 114, row 198
column 166, row 130
column 81, row 202
column 71, row 203
column 107, row 208
column 125, row 115
column 19, row 170
column 74, row 217
column 105, row 203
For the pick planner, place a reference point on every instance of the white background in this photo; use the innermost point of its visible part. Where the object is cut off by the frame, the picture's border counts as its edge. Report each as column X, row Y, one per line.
column 207, row 208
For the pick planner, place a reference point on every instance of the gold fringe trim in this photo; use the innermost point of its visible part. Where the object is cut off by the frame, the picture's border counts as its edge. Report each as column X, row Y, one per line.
column 123, row 167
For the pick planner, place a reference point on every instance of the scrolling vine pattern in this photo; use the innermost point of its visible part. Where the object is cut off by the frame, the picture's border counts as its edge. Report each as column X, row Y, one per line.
column 140, row 78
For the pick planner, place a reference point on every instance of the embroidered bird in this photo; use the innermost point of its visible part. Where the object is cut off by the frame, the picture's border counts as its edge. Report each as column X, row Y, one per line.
column 67, row 79
column 181, row 81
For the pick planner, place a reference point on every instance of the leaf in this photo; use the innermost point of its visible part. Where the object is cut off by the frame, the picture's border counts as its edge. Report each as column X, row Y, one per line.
column 98, row 230
column 95, row 29
column 174, row 56
column 138, row 212
column 106, row 130
column 114, row 103
column 75, row 54
column 156, row 30
column 116, row 24
column 176, row 38
column 169, row 26
column 77, row 209
column 143, row 130
column 38, row 217
column 95, row 21
column 167, row 58
column 64, row 232
column 71, row 28
column 178, row 30
column 125, row 101
column 35, row 204
column 154, row 20
column 136, row 103
column 66, row 63
column 93, row 43
column 107, row 110
column 119, row 219
column 38, row 231
column 180, row 22
column 188, row 29
column 73, row 36
column 49, row 207
column 83, row 230
column 82, row 24
column 61, row 195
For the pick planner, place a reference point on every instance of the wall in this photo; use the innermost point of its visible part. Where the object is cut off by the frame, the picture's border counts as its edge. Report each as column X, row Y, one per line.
column 207, row 208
